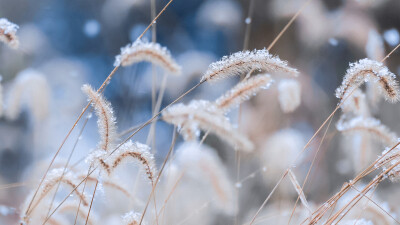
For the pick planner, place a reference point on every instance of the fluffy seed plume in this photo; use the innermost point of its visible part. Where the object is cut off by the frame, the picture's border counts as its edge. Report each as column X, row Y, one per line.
column 54, row 176
column 289, row 95
column 132, row 218
column 243, row 62
column 106, row 119
column 206, row 173
column 367, row 70
column 129, row 150
column 208, row 119
column 371, row 126
column 243, row 91
column 30, row 88
column 140, row 51
column 8, row 32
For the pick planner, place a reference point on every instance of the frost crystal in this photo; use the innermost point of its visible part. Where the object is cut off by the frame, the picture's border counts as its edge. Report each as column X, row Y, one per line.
column 243, row 62
column 140, row 153
column 206, row 116
column 367, row 70
column 106, row 120
column 8, row 32
column 243, row 91
column 140, row 51
column 371, row 126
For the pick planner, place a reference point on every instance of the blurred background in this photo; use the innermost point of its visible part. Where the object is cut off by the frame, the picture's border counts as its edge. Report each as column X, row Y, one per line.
column 73, row 42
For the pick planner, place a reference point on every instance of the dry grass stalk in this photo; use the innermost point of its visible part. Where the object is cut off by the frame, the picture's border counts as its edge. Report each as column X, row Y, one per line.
column 299, row 190
column 106, row 119
column 367, row 70
column 242, row 62
column 8, row 33
column 82, row 211
column 147, row 51
column 324, row 208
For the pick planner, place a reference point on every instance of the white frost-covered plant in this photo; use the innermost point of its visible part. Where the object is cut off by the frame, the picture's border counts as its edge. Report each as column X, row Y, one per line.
column 128, row 151
column 8, row 33
column 30, row 88
column 205, row 182
column 67, row 178
column 284, row 145
column 107, row 129
column 202, row 115
column 289, row 95
column 241, row 63
column 368, row 125
column 243, row 91
column 367, row 70
column 132, row 218
column 140, row 51
column 106, row 120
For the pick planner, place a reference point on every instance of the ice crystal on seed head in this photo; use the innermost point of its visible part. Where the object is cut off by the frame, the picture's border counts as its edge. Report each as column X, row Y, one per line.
column 140, row 153
column 370, row 125
column 243, row 91
column 367, row 70
column 140, row 51
column 106, row 120
column 243, row 62
column 8, row 32
column 206, row 116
